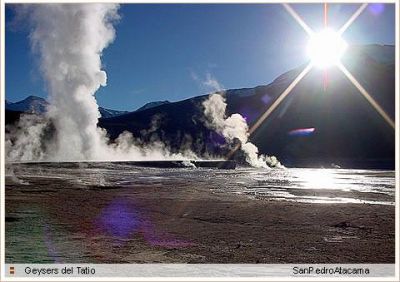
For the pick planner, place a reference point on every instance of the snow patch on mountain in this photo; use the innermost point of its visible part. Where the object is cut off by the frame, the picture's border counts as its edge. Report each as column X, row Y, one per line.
column 38, row 105
column 31, row 104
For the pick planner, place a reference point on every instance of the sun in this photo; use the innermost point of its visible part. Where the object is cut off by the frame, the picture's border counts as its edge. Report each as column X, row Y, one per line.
column 325, row 48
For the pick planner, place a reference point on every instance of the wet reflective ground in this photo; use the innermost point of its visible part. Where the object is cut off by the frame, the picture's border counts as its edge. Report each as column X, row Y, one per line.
column 323, row 185
column 301, row 185
column 119, row 213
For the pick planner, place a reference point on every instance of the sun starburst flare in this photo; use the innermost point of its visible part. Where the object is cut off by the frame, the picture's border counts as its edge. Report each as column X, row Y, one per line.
column 325, row 49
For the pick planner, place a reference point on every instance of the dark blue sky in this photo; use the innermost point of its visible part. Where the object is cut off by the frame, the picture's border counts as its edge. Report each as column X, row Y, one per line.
column 159, row 50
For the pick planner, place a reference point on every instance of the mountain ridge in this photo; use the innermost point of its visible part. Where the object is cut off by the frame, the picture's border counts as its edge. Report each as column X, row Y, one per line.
column 38, row 105
column 344, row 127
column 364, row 142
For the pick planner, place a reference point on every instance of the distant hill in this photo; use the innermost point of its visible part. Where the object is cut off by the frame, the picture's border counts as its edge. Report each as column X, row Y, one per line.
column 384, row 54
column 31, row 104
column 152, row 105
column 38, row 105
column 107, row 113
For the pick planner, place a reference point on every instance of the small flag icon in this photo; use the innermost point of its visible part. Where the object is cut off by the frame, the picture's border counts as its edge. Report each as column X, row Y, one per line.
column 12, row 270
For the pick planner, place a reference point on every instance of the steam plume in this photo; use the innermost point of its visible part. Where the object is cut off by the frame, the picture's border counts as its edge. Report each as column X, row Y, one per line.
column 70, row 39
column 234, row 127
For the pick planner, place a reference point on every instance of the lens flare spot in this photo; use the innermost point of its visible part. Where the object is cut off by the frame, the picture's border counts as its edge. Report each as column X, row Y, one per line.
column 119, row 219
column 301, row 131
column 376, row 9
column 266, row 99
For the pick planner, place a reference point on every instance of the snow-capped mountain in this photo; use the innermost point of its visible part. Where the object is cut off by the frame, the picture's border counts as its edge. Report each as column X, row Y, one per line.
column 31, row 104
column 38, row 105
column 107, row 113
